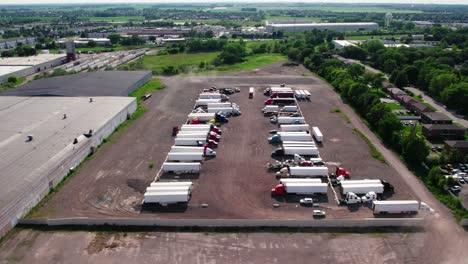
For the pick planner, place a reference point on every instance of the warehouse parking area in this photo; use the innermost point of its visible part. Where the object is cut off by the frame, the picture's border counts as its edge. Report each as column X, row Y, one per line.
column 236, row 183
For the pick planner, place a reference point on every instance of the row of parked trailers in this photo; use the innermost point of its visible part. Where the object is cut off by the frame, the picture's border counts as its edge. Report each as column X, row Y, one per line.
column 112, row 59
column 193, row 142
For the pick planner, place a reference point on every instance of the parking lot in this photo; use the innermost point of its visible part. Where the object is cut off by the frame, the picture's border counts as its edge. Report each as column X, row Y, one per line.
column 236, row 183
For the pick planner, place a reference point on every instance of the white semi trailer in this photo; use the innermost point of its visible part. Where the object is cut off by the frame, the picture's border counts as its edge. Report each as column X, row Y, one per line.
column 181, row 188
column 300, row 188
column 189, row 141
column 165, row 198
column 377, row 188
column 173, row 183
column 188, row 156
column 317, row 134
column 204, row 117
column 289, row 136
column 296, row 180
column 184, row 149
column 202, row 102
column 290, row 120
column 212, row 96
column 290, row 151
column 399, row 207
column 291, row 128
column 190, row 167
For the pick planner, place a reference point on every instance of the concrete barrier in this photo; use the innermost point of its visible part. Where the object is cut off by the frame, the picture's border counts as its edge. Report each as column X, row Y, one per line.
column 141, row 222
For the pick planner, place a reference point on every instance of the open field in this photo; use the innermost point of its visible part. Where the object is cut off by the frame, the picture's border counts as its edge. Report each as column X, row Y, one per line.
column 30, row 246
column 113, row 182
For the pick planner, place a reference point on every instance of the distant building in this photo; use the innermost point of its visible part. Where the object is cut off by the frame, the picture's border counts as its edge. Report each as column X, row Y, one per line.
column 300, row 27
column 84, row 41
column 435, row 118
column 423, row 23
column 459, row 145
column 340, row 44
column 12, row 43
column 395, row 92
column 388, row 19
column 23, row 66
column 451, row 132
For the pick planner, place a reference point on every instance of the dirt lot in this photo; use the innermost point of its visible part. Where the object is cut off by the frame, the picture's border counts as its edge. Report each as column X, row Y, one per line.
column 155, row 247
column 235, row 184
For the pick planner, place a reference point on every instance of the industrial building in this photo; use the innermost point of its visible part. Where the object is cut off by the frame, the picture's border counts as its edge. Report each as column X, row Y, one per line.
column 42, row 139
column 340, row 44
column 23, row 66
column 12, row 43
column 100, row 83
column 300, row 27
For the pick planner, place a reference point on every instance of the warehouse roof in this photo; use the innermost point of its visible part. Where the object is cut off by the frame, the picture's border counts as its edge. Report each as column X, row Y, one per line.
column 4, row 70
column 31, row 60
column 325, row 24
column 26, row 164
column 436, row 116
column 100, row 83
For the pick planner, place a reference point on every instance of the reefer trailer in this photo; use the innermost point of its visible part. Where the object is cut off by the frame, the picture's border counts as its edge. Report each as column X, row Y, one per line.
column 293, row 128
column 362, row 188
column 181, row 166
column 317, row 171
column 300, row 188
column 317, row 134
column 290, row 120
column 184, row 149
column 188, row 156
column 290, row 151
column 201, row 102
column 165, row 198
column 278, row 138
column 172, row 183
column 399, row 207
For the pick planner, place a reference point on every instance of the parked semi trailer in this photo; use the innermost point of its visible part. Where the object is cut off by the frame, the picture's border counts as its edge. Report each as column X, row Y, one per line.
column 181, row 166
column 296, row 180
column 377, row 188
column 278, row 138
column 172, row 183
column 225, row 110
column 165, row 198
column 180, row 188
column 292, row 128
column 202, row 102
column 387, row 186
column 300, row 188
column 302, row 172
column 290, row 151
column 184, row 149
column 399, row 207
column 187, row 156
column 204, row 117
column 317, row 134
column 290, row 120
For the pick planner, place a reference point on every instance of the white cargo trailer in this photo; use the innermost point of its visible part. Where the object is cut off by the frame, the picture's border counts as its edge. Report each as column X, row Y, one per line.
column 204, row 117
column 292, row 142
column 224, row 110
column 289, row 108
column 289, row 137
column 189, row 141
column 290, row 120
column 212, row 96
column 301, row 127
column 298, row 94
column 217, row 105
column 362, row 188
column 181, row 188
column 183, row 149
column 181, row 166
column 318, row 171
column 306, row 188
column 354, row 182
column 307, row 94
column 399, row 207
column 317, row 134
column 172, row 183
column 193, row 136
column 308, row 151
column 165, row 198
column 201, row 102
column 201, row 129
column 296, row 180
column 270, row 108
column 187, row 156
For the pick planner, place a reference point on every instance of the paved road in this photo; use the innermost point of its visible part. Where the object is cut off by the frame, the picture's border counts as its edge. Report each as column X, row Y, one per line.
column 445, row 230
column 438, row 106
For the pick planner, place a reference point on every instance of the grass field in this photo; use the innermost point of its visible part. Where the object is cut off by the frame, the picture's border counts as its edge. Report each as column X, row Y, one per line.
column 394, row 106
column 291, row 18
column 192, row 60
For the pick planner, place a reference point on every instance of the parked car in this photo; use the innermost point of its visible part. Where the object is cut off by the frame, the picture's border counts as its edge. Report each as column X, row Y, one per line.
column 306, row 201
column 318, row 213
column 461, row 180
column 455, row 189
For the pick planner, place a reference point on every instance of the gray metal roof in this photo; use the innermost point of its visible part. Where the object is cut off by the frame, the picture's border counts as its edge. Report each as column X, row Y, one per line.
column 25, row 165
column 100, row 83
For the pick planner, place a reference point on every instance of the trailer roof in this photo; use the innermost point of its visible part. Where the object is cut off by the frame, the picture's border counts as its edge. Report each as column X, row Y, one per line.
column 397, row 202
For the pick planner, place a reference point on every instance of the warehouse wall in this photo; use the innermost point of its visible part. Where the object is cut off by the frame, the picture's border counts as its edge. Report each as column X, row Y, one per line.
column 138, row 84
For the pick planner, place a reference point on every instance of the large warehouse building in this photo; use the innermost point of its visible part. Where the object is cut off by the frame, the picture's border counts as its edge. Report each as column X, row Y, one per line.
column 23, row 66
column 99, row 83
column 43, row 138
column 300, row 27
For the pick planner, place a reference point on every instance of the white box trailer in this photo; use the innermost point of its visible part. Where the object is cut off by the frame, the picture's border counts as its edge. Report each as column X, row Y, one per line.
column 270, row 108
column 218, row 105
column 172, row 183
column 202, row 102
column 187, row 156
column 180, row 188
column 185, row 149
column 289, row 137
column 318, row 171
column 290, row 120
column 199, row 136
column 204, row 117
column 293, row 142
column 212, row 96
column 201, row 129
column 301, row 127
column 181, row 166
column 306, row 188
column 297, row 145
column 165, row 198
column 307, row 94
column 399, row 206
column 317, row 134
column 189, row 142
column 224, row 110
column 298, row 94
column 289, row 108
column 362, row 188
column 354, row 182
column 296, row 180
column 308, row 151
column 275, row 89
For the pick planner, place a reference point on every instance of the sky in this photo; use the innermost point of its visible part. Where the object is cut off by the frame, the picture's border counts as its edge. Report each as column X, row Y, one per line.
column 5, row 2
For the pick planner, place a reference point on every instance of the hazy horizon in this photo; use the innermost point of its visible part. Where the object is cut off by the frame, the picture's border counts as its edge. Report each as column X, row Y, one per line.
column 409, row 2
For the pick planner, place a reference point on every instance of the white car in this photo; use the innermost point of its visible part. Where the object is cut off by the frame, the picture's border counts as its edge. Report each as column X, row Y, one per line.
column 318, row 213
column 306, row 201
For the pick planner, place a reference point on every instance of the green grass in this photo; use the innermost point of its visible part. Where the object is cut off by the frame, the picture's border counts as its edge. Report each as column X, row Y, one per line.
column 192, row 60
column 291, row 18
column 152, row 85
column 394, row 106
column 374, row 152
column 7, row 86
column 345, row 116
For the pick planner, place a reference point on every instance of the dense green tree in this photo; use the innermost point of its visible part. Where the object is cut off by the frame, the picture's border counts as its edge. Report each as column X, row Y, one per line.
column 401, row 80
column 114, row 38
column 414, row 146
column 412, row 74
column 439, row 82
column 233, row 52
